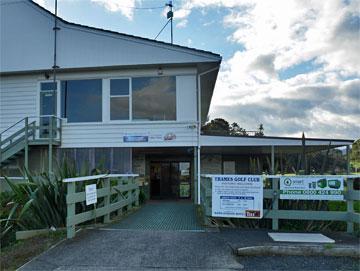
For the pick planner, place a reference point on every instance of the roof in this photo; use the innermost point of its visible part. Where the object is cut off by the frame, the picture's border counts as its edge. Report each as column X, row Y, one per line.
column 207, row 140
column 124, row 34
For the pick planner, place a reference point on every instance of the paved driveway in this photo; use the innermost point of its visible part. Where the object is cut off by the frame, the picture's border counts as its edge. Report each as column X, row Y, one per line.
column 166, row 236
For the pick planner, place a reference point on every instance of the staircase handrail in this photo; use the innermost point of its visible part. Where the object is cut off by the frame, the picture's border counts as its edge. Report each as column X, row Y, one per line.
column 16, row 123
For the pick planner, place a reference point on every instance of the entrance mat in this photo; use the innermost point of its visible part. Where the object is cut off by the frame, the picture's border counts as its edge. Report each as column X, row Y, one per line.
column 176, row 216
column 300, row 237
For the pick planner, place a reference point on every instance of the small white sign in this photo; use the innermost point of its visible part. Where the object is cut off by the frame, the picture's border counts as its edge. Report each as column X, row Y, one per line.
column 91, row 195
column 312, row 188
column 237, row 196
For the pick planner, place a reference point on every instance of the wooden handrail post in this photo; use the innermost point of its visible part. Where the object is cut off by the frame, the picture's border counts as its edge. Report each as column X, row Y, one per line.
column 275, row 206
column 26, row 162
column 60, row 130
column 70, row 229
column 50, row 154
column 0, row 150
column 107, row 199
column 350, row 206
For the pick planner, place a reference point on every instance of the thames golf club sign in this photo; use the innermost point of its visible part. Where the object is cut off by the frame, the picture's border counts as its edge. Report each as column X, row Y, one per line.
column 237, row 196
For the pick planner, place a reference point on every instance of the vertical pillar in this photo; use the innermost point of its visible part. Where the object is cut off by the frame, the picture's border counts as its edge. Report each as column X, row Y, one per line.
column 107, row 200
column 70, row 212
column 198, row 175
column 50, row 154
column 272, row 160
column 26, row 162
column 194, row 176
column 350, row 187
column 275, row 188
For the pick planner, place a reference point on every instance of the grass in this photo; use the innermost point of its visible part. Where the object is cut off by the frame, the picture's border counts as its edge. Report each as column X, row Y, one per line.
column 22, row 251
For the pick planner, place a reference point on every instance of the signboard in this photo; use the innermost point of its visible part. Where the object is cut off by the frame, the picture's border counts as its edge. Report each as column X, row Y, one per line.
column 134, row 138
column 91, row 195
column 238, row 196
column 312, row 188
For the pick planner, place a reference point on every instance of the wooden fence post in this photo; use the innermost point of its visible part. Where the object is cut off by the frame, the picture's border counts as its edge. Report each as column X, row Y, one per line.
column 107, row 199
column 70, row 211
column 275, row 206
column 350, row 206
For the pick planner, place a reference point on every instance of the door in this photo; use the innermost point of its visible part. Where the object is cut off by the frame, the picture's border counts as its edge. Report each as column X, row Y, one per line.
column 48, row 104
column 170, row 180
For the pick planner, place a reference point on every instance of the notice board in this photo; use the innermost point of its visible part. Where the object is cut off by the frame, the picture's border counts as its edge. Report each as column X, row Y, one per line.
column 238, row 196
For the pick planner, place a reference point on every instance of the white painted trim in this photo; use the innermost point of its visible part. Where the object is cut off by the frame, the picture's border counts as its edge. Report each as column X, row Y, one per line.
column 96, row 177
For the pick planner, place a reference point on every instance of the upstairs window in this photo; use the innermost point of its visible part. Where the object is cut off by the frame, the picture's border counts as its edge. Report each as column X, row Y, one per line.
column 81, row 100
column 154, row 98
column 119, row 99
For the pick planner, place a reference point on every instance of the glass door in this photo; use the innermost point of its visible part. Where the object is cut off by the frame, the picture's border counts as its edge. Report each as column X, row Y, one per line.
column 48, row 104
column 184, row 180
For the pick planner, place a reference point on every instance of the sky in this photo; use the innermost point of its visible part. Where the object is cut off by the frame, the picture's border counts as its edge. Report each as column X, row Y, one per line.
column 292, row 65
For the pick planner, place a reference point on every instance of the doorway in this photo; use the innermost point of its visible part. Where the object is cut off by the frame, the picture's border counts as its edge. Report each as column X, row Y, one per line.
column 170, row 180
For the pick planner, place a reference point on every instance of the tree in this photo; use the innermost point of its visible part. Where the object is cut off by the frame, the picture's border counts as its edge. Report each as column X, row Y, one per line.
column 222, row 127
column 260, row 131
column 216, row 126
column 355, row 155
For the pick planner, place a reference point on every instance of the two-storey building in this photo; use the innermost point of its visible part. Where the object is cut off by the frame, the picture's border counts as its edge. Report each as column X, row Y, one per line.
column 125, row 103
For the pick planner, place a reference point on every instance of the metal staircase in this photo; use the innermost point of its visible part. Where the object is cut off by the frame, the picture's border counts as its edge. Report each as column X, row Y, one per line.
column 17, row 140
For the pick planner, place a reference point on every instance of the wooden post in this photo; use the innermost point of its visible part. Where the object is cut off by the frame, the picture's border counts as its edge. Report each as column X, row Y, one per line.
column 275, row 206
column 0, row 152
column 50, row 144
column 137, row 193
column 26, row 162
column 272, row 160
column 107, row 199
column 70, row 229
column 350, row 187
column 195, row 177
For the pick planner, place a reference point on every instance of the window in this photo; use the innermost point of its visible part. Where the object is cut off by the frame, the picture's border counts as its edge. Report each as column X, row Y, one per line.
column 154, row 98
column 119, row 99
column 81, row 100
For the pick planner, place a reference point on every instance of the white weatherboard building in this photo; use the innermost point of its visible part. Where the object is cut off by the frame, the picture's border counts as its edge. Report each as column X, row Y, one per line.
column 126, row 103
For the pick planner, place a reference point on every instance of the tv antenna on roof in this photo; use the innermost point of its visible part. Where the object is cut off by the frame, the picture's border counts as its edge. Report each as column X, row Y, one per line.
column 169, row 15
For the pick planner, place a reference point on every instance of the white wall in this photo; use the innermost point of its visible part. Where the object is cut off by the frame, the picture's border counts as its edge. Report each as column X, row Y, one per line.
column 19, row 98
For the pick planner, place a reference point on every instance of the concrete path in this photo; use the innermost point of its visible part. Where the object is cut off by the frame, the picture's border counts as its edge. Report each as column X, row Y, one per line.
column 166, row 236
column 138, row 250
column 121, row 249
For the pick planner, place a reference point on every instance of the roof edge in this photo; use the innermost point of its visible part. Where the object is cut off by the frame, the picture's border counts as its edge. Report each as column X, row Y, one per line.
column 127, row 35
column 289, row 138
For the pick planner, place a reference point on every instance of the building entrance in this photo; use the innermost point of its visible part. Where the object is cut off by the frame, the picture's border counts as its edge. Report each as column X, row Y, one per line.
column 170, row 180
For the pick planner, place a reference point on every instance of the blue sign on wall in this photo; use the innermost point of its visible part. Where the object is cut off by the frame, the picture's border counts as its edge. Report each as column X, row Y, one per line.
column 136, row 138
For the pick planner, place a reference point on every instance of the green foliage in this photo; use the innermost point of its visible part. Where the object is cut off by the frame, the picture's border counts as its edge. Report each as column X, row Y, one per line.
column 222, row 127
column 355, row 155
column 142, row 196
column 39, row 202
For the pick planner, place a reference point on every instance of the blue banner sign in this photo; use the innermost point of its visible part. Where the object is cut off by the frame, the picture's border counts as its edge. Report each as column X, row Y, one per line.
column 134, row 138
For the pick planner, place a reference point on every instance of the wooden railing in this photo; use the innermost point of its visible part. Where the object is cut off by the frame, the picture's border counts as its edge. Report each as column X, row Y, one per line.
column 275, row 214
column 43, row 129
column 115, row 192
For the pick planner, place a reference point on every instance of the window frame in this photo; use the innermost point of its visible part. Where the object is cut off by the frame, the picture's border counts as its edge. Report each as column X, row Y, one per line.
column 58, row 97
column 176, row 99
column 120, row 96
column 77, row 78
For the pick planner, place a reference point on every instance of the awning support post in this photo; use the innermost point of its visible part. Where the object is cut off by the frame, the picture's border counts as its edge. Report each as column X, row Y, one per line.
column 272, row 159
column 198, row 175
